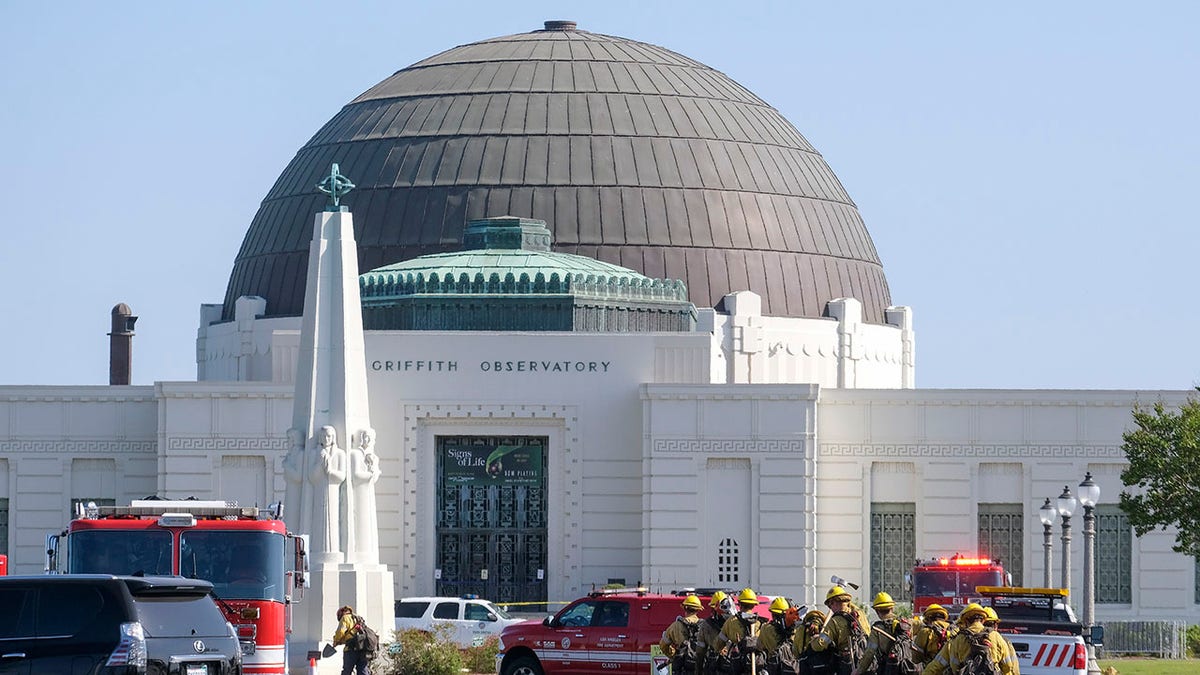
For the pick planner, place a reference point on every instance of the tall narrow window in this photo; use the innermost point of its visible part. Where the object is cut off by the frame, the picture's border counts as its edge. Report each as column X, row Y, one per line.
column 4, row 525
column 1114, row 555
column 1001, row 535
column 893, row 545
column 728, row 564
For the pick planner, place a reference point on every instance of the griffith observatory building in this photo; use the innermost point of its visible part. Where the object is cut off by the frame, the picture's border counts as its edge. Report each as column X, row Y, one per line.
column 621, row 323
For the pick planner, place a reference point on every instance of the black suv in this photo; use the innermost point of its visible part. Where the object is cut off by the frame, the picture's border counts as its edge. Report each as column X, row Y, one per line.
column 93, row 624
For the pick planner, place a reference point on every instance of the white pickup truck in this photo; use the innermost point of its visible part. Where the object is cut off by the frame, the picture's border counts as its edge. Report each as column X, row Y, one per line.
column 468, row 620
column 1039, row 624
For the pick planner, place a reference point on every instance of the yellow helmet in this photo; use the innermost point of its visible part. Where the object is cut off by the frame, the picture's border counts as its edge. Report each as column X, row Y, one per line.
column 747, row 597
column 990, row 614
column 837, row 593
column 883, row 601
column 971, row 611
column 936, row 610
column 814, row 615
column 717, row 599
column 692, row 602
column 779, row 605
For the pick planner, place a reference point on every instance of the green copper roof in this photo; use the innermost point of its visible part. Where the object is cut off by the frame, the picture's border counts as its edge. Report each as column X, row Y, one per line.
column 512, row 255
column 502, row 262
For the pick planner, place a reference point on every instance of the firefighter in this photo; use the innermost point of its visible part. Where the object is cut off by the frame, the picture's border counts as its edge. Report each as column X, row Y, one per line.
column 843, row 633
column 710, row 631
column 992, row 620
column 810, row 628
column 776, row 637
column 934, row 633
column 739, row 635
column 955, row 654
column 354, row 660
column 883, row 633
column 680, row 641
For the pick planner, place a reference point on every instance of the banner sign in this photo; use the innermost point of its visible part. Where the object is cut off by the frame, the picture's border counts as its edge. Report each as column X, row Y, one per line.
column 492, row 465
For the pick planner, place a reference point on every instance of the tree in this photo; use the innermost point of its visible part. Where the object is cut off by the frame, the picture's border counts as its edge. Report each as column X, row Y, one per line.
column 1164, row 466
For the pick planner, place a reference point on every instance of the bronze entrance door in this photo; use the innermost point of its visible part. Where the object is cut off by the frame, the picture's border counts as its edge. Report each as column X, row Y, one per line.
column 491, row 523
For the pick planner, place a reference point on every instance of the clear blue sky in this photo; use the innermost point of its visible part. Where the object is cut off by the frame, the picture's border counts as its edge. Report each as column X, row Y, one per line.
column 1029, row 171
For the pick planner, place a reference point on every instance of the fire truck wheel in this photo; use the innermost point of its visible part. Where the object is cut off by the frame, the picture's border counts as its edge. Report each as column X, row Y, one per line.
column 525, row 665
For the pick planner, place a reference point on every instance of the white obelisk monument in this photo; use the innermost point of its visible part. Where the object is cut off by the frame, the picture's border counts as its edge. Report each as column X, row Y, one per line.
column 332, row 467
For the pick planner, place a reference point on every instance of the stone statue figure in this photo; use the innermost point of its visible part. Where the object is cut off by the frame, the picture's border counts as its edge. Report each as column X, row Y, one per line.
column 364, row 473
column 294, row 512
column 329, row 471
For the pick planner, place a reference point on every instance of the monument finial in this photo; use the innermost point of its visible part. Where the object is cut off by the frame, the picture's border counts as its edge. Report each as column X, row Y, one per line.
column 335, row 185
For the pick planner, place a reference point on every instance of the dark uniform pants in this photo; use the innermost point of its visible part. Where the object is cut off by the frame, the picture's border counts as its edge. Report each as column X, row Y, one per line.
column 354, row 662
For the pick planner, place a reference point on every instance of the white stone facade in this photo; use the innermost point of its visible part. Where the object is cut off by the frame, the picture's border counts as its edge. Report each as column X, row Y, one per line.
column 653, row 461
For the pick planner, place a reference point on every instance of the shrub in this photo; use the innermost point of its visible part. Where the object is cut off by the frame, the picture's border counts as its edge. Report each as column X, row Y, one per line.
column 482, row 659
column 1193, row 641
column 420, row 652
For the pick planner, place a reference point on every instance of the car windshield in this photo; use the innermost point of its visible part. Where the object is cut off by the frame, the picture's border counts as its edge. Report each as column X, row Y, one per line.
column 242, row 565
column 145, row 552
column 189, row 616
column 953, row 583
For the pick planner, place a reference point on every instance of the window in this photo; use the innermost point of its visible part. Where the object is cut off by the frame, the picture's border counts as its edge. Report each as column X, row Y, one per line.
column 4, row 525
column 893, row 545
column 446, row 610
column 727, row 561
column 1197, row 584
column 1001, row 534
column 611, row 614
column 1114, row 555
column 16, row 621
column 64, row 609
column 411, row 610
column 579, row 614
column 476, row 612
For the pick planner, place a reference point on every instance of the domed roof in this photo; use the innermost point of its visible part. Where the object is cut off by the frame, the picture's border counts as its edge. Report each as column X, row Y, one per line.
column 633, row 154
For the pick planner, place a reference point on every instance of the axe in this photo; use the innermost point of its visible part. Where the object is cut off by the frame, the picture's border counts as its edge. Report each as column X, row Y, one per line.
column 835, row 579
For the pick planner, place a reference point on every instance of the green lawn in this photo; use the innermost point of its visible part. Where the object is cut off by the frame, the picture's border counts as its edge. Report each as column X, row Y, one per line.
column 1152, row 666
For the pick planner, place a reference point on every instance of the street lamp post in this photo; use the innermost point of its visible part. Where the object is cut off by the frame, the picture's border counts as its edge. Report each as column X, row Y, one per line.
column 1047, row 513
column 1066, row 508
column 1089, row 494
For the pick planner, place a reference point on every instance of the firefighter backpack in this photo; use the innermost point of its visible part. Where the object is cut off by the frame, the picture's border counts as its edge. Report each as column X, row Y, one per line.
column 979, row 659
column 365, row 638
column 899, row 659
column 784, row 660
column 687, row 653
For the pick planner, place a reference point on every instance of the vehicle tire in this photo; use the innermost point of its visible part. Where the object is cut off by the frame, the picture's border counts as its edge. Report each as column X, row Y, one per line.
column 523, row 665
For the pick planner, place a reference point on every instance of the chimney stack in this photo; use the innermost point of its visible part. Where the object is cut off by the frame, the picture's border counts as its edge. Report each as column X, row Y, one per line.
column 120, row 345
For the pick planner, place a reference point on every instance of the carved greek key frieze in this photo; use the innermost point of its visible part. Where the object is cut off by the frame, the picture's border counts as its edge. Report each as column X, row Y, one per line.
column 259, row 443
column 726, row 445
column 75, row 447
column 1015, row 451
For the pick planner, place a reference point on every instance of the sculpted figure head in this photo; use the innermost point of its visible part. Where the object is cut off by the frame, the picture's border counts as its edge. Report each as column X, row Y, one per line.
column 295, row 438
column 327, row 437
column 367, row 439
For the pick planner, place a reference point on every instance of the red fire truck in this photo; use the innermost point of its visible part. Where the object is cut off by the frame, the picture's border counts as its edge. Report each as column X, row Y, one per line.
column 950, row 582
column 255, row 565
